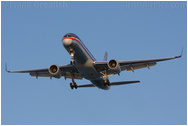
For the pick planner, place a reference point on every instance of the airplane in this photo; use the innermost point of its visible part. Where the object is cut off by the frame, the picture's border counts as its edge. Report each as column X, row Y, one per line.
column 84, row 65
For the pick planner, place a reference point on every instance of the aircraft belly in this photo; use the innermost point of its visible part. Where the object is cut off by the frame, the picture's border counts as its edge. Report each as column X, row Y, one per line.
column 87, row 70
column 99, row 83
column 82, row 61
column 84, row 64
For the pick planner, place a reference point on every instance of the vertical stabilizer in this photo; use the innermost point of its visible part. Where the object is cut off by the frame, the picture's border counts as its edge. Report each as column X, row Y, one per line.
column 105, row 56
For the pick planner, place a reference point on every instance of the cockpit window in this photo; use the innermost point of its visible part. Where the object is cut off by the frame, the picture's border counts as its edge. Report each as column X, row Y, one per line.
column 74, row 36
column 70, row 35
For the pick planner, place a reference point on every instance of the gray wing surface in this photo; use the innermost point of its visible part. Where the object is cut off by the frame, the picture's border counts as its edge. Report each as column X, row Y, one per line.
column 66, row 70
column 131, row 65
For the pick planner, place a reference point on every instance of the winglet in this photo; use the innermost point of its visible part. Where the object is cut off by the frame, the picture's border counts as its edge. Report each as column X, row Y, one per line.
column 6, row 67
column 180, row 55
column 182, row 52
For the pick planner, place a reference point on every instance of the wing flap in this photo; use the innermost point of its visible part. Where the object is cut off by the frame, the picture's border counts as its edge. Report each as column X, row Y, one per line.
column 137, row 66
column 40, row 75
column 67, row 75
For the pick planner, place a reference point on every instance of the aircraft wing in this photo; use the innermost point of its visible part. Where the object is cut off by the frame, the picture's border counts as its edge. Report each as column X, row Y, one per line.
column 131, row 65
column 66, row 70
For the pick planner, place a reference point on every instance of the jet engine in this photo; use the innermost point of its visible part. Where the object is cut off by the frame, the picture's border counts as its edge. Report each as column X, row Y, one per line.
column 54, row 71
column 114, row 66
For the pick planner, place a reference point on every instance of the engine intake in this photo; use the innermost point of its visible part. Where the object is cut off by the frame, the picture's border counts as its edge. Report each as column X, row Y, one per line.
column 54, row 71
column 114, row 66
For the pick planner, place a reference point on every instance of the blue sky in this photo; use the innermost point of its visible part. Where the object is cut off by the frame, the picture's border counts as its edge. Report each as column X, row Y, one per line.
column 31, row 34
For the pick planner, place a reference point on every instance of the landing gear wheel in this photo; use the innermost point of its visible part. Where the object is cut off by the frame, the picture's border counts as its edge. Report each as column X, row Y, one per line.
column 76, row 87
column 73, row 85
column 106, row 82
column 72, row 62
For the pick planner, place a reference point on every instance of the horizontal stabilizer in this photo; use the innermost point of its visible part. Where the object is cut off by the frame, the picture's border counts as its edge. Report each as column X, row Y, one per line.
column 111, row 84
column 87, row 85
column 123, row 82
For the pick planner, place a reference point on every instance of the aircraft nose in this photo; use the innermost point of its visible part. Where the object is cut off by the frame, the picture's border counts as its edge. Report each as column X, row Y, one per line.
column 67, row 42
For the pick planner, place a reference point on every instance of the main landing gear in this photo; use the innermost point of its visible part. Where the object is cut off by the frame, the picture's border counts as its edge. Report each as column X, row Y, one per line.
column 106, row 82
column 73, row 84
column 71, row 52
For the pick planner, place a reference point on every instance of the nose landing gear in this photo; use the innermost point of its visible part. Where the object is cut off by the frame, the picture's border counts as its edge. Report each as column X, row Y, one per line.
column 72, row 57
column 72, row 54
column 72, row 62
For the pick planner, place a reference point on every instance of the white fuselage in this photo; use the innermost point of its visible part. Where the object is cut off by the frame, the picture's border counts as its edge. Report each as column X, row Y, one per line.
column 84, row 61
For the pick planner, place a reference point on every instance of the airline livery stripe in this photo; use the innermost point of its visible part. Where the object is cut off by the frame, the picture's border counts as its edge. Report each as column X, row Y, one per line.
column 71, row 38
column 81, row 45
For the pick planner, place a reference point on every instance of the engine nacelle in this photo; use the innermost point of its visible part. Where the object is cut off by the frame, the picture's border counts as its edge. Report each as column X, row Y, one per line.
column 54, row 71
column 114, row 66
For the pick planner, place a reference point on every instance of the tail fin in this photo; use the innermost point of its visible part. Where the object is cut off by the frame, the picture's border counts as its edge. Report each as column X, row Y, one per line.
column 105, row 56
